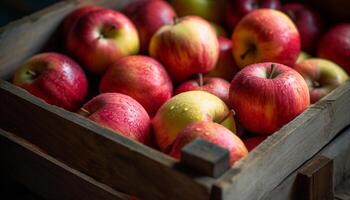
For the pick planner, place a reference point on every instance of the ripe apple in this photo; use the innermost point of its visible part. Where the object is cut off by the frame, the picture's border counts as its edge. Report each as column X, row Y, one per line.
column 187, row 47
column 149, row 16
column 308, row 23
column 253, row 142
column 55, row 78
column 119, row 113
column 266, row 96
column 186, row 108
column 141, row 77
column 208, row 9
column 100, row 37
column 226, row 66
column 335, row 46
column 216, row 86
column 211, row 132
column 321, row 75
column 237, row 9
column 265, row 35
column 302, row 56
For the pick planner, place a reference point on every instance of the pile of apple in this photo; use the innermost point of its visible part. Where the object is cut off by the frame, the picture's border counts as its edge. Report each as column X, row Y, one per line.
column 178, row 77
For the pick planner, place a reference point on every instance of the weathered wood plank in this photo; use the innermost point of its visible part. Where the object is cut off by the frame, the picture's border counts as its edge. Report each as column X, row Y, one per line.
column 110, row 158
column 342, row 192
column 283, row 152
column 47, row 176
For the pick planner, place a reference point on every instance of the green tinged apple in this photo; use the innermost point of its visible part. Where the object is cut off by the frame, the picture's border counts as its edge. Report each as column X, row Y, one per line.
column 302, row 56
column 186, row 108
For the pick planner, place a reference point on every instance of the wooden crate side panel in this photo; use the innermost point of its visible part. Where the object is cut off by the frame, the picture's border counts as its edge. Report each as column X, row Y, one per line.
column 47, row 176
column 270, row 163
column 114, row 160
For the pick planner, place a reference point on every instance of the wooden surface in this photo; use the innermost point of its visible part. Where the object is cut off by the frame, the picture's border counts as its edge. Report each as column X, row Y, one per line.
column 269, row 164
column 342, row 192
column 315, row 180
column 47, row 176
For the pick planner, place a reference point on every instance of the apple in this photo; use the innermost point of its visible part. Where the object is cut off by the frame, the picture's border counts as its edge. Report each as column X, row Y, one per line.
column 211, row 132
column 253, row 142
column 149, row 16
column 265, row 35
column 187, row 47
column 308, row 23
column 186, row 108
column 219, row 30
column 226, row 66
column 335, row 46
column 237, row 9
column 208, row 9
column 142, row 78
column 302, row 56
column 216, row 86
column 266, row 96
column 321, row 76
column 55, row 78
column 100, row 37
column 119, row 113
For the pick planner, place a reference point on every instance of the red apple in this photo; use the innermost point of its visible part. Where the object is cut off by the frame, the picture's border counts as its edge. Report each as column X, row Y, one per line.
column 335, row 46
column 55, row 78
column 226, row 66
column 211, row 132
column 265, row 35
column 187, row 47
column 321, row 75
column 253, row 142
column 149, row 16
column 266, row 96
column 100, row 37
column 140, row 77
column 237, row 9
column 120, row 113
column 308, row 23
column 216, row 86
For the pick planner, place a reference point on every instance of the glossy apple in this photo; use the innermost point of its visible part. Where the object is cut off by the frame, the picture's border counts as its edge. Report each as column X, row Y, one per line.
column 226, row 66
column 187, row 47
column 208, row 9
column 55, row 78
column 335, row 46
column 266, row 96
column 308, row 23
column 237, row 9
column 100, row 37
column 148, row 16
column 216, row 86
column 141, row 77
column 186, row 108
column 120, row 113
column 265, row 35
column 253, row 142
column 321, row 75
column 211, row 132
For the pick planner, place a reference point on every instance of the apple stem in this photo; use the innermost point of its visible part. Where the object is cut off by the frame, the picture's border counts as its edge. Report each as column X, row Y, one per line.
column 83, row 112
column 273, row 67
column 200, row 80
column 229, row 114
column 248, row 51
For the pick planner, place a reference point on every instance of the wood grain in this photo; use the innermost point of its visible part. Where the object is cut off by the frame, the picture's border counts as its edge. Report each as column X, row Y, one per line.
column 283, row 152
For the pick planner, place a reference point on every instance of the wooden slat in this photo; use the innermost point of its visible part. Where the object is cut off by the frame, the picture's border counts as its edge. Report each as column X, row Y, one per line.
column 342, row 192
column 271, row 162
column 112, row 159
column 47, row 176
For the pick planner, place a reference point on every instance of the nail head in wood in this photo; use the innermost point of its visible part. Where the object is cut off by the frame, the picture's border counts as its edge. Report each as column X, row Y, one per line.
column 205, row 157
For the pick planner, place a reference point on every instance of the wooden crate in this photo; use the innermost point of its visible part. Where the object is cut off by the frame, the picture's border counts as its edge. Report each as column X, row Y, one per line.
column 80, row 153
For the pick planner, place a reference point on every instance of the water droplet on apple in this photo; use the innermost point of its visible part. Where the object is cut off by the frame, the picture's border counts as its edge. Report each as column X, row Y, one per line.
column 198, row 129
column 206, row 133
column 185, row 109
column 172, row 107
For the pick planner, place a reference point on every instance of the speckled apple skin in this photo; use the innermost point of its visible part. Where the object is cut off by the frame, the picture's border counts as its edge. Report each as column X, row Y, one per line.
column 185, row 108
column 264, row 105
column 211, row 132
column 274, row 35
column 120, row 113
column 141, row 77
column 61, row 82
column 335, row 46
column 188, row 47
